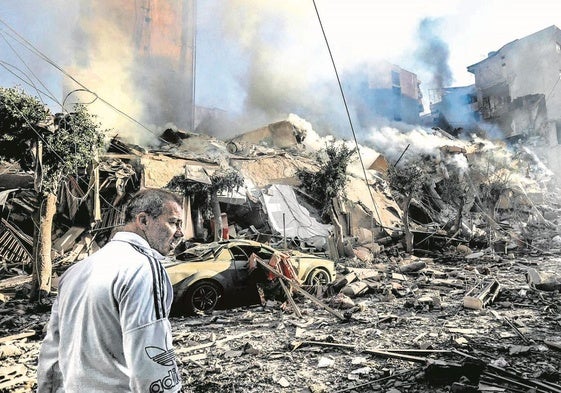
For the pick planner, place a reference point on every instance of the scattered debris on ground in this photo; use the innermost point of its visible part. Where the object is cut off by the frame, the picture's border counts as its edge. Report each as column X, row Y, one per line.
column 448, row 286
column 483, row 324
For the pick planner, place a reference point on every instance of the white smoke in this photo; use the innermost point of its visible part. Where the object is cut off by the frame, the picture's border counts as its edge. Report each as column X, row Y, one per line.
column 393, row 142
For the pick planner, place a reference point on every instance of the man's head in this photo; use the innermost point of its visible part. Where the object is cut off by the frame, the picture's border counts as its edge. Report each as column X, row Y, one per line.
column 156, row 215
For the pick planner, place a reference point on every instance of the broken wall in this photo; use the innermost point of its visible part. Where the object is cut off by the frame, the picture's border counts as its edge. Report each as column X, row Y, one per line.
column 281, row 134
column 158, row 169
column 365, row 212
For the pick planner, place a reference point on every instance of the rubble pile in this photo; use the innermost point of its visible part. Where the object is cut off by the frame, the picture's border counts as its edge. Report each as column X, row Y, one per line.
column 474, row 306
column 508, row 200
column 410, row 330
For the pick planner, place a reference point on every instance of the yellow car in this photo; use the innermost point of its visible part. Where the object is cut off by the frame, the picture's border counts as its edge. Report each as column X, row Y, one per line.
column 217, row 274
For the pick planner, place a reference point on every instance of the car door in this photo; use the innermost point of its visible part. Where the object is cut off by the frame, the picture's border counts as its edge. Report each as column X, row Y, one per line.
column 225, row 267
column 241, row 262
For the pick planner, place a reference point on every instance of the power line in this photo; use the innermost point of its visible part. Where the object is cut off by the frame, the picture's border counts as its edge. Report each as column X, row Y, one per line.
column 37, row 52
column 50, row 95
column 76, row 90
column 35, row 131
column 57, row 156
column 6, row 66
column 348, row 113
column 34, row 50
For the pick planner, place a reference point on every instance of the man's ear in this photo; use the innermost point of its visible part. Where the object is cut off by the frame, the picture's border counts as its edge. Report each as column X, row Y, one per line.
column 142, row 219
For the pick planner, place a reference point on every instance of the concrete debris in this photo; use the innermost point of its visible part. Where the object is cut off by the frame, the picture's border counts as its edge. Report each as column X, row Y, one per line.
column 543, row 281
column 473, row 307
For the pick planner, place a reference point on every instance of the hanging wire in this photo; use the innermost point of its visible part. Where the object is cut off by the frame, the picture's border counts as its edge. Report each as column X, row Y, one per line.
column 14, row 106
column 14, row 34
column 50, row 95
column 46, row 144
column 30, row 47
column 30, row 83
column 348, row 113
column 77, row 90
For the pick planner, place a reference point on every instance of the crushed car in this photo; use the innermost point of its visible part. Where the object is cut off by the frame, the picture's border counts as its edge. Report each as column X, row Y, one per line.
column 212, row 275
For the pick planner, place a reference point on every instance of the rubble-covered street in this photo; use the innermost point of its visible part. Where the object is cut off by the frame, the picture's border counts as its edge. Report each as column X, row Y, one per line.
column 421, row 316
column 409, row 332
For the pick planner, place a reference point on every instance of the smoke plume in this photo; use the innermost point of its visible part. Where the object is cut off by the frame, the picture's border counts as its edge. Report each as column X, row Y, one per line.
column 264, row 59
column 434, row 54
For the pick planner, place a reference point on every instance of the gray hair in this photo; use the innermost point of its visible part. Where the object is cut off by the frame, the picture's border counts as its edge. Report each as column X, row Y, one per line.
column 150, row 201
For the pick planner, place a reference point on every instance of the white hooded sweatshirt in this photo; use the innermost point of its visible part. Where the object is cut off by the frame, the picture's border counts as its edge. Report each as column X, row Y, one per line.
column 109, row 329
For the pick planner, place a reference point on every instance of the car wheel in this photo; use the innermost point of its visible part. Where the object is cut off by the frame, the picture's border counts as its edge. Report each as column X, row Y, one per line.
column 318, row 277
column 203, row 296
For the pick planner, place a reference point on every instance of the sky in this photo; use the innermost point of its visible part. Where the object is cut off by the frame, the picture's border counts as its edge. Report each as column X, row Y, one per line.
column 260, row 61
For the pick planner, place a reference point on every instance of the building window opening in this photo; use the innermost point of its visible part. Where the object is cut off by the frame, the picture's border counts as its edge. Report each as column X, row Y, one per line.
column 395, row 78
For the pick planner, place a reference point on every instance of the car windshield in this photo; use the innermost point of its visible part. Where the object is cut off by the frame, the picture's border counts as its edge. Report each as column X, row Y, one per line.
column 200, row 251
column 243, row 252
column 239, row 249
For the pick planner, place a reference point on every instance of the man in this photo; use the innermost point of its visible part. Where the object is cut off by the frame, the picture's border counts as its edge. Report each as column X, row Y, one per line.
column 109, row 330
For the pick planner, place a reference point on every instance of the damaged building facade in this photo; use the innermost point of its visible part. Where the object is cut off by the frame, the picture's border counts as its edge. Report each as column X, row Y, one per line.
column 271, row 206
column 388, row 91
column 517, row 90
column 454, row 109
column 161, row 35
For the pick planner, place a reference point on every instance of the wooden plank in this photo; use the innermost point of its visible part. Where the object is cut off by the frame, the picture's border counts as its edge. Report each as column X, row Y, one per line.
column 14, row 281
column 553, row 344
column 216, row 342
column 290, row 299
column 321, row 304
column 9, row 375
column 18, row 336
column 383, row 353
column 17, row 369
column 66, row 241
column 298, row 288
column 13, row 382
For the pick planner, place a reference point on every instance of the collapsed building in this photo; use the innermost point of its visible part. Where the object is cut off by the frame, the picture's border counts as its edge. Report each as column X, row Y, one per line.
column 454, row 109
column 271, row 206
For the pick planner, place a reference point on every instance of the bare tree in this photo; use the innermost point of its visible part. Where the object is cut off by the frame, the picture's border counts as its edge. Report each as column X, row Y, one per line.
column 491, row 178
column 407, row 180
column 453, row 190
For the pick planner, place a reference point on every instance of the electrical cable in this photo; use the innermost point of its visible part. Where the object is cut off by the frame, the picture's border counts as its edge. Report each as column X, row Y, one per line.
column 50, row 95
column 36, row 132
column 76, row 90
column 37, row 52
column 50, row 148
column 348, row 113
column 6, row 66
column 84, row 88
